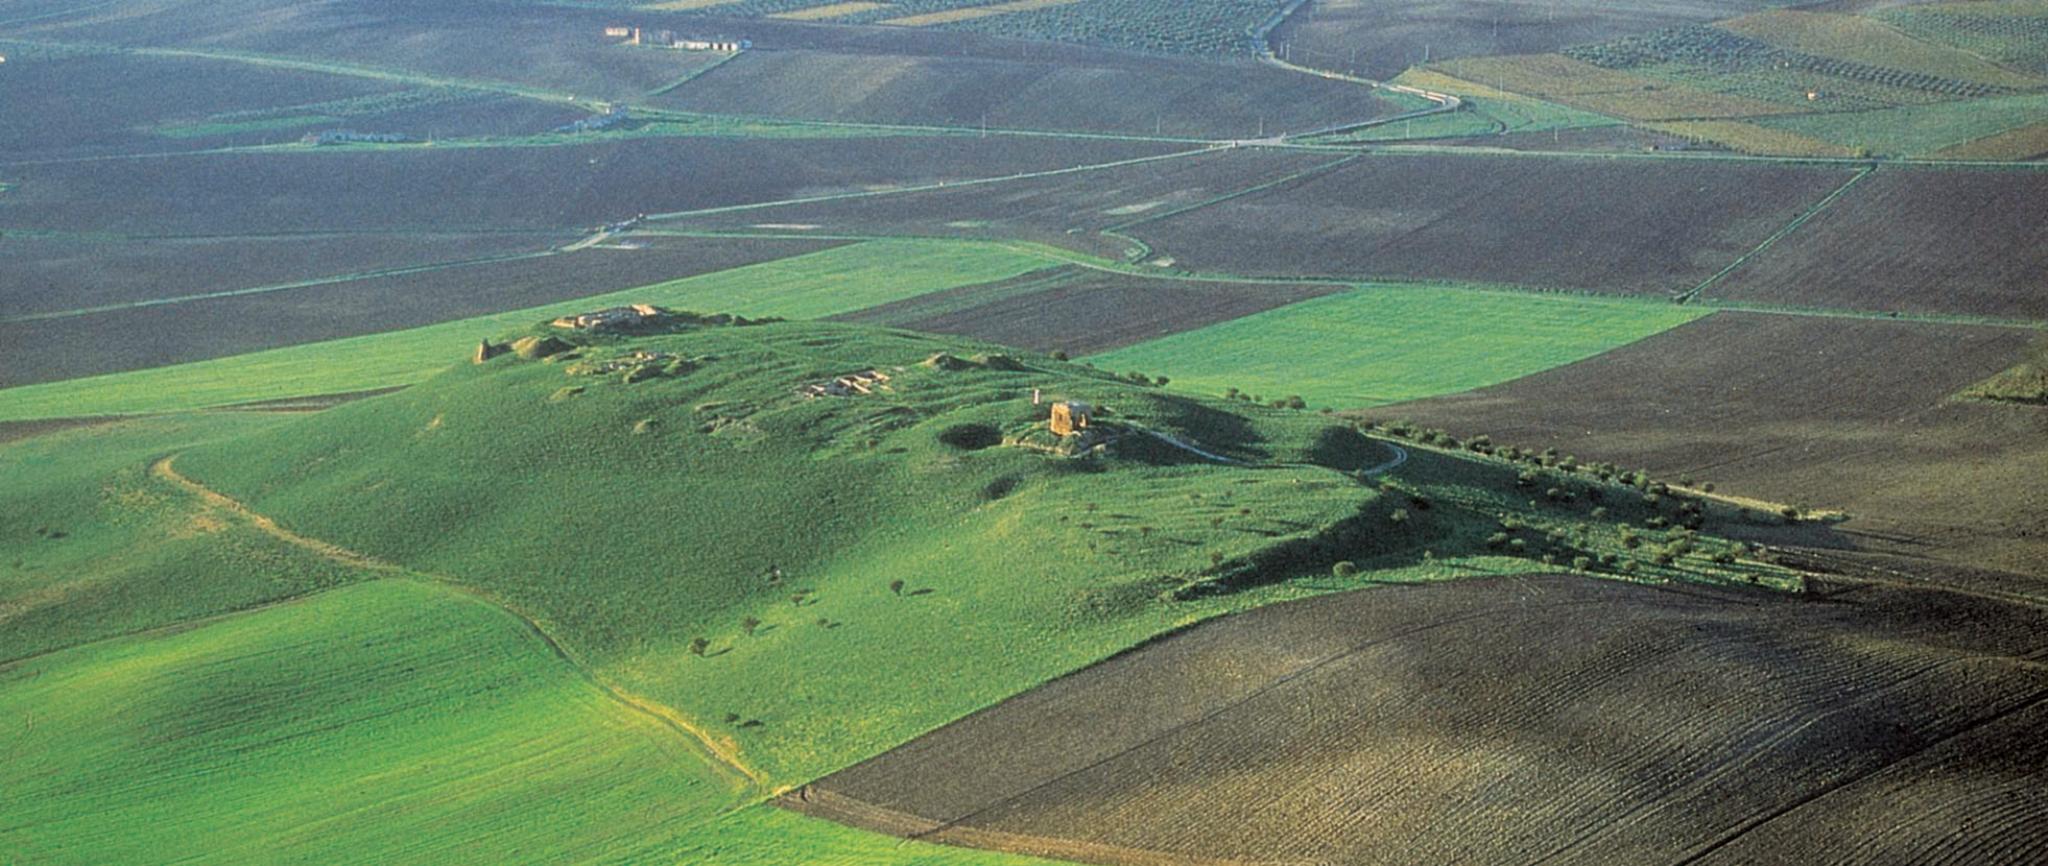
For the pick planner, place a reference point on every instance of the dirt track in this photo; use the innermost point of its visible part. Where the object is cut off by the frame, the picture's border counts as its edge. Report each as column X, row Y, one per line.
column 1515, row 720
column 722, row 755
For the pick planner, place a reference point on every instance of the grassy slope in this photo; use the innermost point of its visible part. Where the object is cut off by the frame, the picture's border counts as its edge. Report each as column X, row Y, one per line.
column 92, row 546
column 819, row 284
column 1384, row 344
column 640, row 517
column 389, row 722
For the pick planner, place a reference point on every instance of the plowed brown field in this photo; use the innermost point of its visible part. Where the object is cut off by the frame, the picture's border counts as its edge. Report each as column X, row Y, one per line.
column 1080, row 311
column 1838, row 413
column 1515, row 720
column 1626, row 226
column 1065, row 209
column 1914, row 241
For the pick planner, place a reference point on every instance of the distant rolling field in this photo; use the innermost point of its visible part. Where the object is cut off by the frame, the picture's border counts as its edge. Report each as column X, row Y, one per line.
column 1380, row 39
column 1081, row 311
column 1070, row 210
column 464, row 189
column 47, row 100
column 55, row 273
column 1382, row 344
column 1623, row 226
column 1507, row 721
column 1106, row 93
column 145, row 333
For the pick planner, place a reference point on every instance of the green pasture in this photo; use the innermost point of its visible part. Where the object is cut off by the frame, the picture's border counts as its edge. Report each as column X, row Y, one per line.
column 1919, row 129
column 1385, row 344
column 388, row 722
column 1480, row 117
column 808, row 286
column 91, row 545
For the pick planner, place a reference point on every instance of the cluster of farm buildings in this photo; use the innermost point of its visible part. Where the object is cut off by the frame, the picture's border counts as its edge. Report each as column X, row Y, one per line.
column 669, row 39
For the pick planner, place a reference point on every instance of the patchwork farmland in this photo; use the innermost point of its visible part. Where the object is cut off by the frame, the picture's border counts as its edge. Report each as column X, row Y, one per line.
column 1077, row 311
column 1481, row 432
column 1919, row 242
column 551, row 188
column 180, row 328
column 1631, row 227
column 1133, row 96
column 1835, row 413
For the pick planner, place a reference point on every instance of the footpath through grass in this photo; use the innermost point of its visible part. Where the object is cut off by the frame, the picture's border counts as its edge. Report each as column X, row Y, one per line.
column 388, row 722
column 809, row 286
column 1386, row 344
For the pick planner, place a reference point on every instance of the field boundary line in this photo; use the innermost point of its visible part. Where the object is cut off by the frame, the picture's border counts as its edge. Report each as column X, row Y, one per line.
column 1229, row 196
column 404, row 270
column 722, row 757
column 846, row 810
column 1786, row 231
column 927, row 187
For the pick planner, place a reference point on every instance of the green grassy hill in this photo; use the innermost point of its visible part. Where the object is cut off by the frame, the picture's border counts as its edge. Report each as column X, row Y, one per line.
column 631, row 519
column 792, row 584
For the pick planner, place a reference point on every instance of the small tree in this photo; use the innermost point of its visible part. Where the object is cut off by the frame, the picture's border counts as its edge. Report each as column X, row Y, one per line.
column 698, row 645
column 1345, row 568
column 748, row 625
column 896, row 586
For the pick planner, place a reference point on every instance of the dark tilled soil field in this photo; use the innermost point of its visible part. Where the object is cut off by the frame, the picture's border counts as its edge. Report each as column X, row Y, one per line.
column 1067, row 210
column 107, row 103
column 467, row 189
column 41, row 274
column 129, row 339
column 1080, row 311
column 561, row 50
column 1835, row 413
column 1103, row 92
column 1511, row 720
column 1380, row 38
column 1626, row 226
column 1914, row 241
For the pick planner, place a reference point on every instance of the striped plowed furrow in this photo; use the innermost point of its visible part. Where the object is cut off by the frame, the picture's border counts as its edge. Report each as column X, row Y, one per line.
column 1521, row 721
